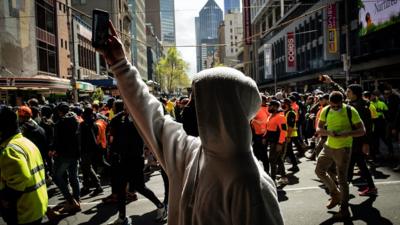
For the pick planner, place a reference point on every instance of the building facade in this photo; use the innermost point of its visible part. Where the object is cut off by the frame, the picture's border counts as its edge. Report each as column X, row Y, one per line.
column 231, row 6
column 155, row 52
column 161, row 14
column 138, row 29
column 207, row 24
column 290, row 48
column 233, row 37
column 120, row 16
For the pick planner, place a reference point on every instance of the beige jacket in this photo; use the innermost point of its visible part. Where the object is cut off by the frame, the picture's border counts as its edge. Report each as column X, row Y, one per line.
column 214, row 179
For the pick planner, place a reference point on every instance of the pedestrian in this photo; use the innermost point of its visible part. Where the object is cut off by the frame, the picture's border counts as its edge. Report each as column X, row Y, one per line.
column 23, row 192
column 276, row 136
column 334, row 122
column 360, row 147
column 90, row 149
column 213, row 179
column 31, row 130
column 292, row 135
column 259, row 130
column 128, row 163
column 66, row 157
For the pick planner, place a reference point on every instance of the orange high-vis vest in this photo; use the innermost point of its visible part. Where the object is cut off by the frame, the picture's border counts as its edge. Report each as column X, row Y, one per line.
column 259, row 122
column 277, row 123
column 101, row 136
column 295, row 108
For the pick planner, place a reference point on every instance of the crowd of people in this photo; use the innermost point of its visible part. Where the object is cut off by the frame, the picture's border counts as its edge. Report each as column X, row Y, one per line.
column 221, row 151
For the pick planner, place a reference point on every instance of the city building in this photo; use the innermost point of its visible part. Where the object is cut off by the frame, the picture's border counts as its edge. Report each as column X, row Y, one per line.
column 161, row 14
column 120, row 15
column 155, row 51
column 207, row 24
column 290, row 48
column 138, row 32
column 233, row 37
column 231, row 6
column 221, row 42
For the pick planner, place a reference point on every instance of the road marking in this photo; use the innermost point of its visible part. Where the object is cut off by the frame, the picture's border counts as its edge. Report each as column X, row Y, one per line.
column 356, row 184
column 279, row 190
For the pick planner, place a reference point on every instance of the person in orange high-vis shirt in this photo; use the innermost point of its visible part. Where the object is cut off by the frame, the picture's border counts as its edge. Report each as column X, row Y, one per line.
column 276, row 135
column 259, row 128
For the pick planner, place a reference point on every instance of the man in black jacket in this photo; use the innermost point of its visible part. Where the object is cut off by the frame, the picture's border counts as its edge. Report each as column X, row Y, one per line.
column 90, row 150
column 128, row 162
column 66, row 157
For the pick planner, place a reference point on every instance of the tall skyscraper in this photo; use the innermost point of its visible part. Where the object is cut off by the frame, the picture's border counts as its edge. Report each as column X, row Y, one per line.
column 231, row 6
column 207, row 24
column 161, row 14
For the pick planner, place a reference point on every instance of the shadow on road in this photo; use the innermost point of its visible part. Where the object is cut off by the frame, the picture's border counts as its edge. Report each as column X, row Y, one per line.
column 103, row 212
column 146, row 219
column 365, row 212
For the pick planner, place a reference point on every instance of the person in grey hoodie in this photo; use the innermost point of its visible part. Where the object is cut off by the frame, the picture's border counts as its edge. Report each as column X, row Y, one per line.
column 214, row 178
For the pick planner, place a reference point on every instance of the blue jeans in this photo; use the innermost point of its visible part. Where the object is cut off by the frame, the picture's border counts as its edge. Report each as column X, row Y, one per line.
column 61, row 167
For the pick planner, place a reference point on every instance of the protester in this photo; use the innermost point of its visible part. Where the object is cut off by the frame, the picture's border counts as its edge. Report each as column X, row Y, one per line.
column 202, row 170
column 23, row 192
column 334, row 122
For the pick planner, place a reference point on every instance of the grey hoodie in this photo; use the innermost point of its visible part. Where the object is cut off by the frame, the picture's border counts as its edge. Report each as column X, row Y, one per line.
column 214, row 179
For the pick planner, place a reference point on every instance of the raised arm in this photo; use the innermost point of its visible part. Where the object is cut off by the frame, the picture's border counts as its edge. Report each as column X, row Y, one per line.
column 162, row 135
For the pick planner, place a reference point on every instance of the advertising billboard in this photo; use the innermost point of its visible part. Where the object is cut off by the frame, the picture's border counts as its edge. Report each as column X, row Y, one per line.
column 267, row 61
column 331, row 32
column 377, row 14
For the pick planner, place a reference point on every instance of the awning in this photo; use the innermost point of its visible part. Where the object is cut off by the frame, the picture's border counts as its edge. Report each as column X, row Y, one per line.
column 107, row 83
column 84, row 86
column 39, row 82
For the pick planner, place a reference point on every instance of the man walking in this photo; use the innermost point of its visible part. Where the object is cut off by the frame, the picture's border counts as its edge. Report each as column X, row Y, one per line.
column 23, row 192
column 336, row 123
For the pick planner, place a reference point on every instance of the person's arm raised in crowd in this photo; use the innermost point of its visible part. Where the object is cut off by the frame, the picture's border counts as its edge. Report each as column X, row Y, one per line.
column 335, row 86
column 162, row 135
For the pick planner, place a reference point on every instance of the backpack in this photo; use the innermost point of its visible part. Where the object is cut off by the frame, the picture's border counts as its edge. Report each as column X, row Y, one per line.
column 349, row 115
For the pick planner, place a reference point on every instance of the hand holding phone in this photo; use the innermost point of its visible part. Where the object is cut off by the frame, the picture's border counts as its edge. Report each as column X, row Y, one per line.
column 100, row 25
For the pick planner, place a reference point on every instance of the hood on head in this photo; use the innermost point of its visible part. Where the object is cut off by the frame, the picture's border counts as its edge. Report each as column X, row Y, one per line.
column 226, row 100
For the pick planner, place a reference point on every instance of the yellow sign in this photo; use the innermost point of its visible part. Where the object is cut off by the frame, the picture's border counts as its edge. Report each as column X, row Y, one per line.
column 332, row 41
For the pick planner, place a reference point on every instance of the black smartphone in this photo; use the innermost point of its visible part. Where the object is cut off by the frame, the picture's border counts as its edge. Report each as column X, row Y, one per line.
column 100, row 33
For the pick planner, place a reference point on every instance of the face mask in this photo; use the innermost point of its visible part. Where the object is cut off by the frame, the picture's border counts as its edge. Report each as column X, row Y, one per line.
column 271, row 110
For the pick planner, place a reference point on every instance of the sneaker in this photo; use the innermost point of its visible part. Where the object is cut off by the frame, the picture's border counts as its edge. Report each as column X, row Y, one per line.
column 70, row 208
column 110, row 199
column 131, row 197
column 368, row 192
column 283, row 181
column 333, row 201
column 119, row 221
column 161, row 214
column 97, row 191
column 52, row 215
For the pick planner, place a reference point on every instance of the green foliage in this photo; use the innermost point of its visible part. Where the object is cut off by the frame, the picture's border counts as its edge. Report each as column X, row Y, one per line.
column 171, row 71
column 98, row 94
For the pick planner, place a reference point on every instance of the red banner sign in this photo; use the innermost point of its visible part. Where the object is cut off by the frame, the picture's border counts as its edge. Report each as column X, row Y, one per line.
column 247, row 22
column 331, row 21
column 291, row 51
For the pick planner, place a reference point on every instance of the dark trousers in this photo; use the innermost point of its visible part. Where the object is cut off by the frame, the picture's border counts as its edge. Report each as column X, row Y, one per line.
column 289, row 151
column 358, row 157
column 276, row 160
column 381, row 131
column 260, row 151
column 90, row 177
column 131, row 171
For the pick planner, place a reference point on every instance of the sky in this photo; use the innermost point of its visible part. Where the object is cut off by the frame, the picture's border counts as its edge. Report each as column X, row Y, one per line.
column 185, row 12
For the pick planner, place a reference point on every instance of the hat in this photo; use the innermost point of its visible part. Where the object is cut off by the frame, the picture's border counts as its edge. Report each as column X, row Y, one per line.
column 24, row 111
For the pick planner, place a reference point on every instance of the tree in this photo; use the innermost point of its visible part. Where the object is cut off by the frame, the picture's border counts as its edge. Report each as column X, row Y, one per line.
column 171, row 71
column 98, row 94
